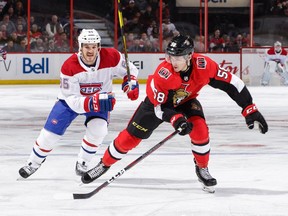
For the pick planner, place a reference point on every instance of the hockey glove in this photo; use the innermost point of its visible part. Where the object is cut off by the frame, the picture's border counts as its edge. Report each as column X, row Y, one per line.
column 131, row 88
column 180, row 123
column 3, row 53
column 100, row 102
column 251, row 115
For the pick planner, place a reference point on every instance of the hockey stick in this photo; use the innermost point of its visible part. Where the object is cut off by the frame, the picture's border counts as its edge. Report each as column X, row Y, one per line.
column 121, row 23
column 121, row 172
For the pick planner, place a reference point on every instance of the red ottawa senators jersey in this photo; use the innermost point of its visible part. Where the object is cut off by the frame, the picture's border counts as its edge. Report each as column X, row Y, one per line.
column 204, row 71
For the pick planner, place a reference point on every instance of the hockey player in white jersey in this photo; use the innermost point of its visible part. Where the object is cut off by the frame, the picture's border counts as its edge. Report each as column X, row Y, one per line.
column 85, row 89
column 276, row 61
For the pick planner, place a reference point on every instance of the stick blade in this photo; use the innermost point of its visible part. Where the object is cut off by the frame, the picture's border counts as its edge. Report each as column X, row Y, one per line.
column 82, row 196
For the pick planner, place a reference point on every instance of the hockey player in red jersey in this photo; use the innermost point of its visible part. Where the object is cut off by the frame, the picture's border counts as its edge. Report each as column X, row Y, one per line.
column 276, row 61
column 85, row 89
column 172, row 97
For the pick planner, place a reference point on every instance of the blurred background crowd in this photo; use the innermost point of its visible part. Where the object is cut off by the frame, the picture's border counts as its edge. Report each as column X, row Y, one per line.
column 45, row 26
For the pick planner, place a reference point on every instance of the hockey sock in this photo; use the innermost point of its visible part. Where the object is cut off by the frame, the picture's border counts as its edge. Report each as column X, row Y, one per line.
column 119, row 148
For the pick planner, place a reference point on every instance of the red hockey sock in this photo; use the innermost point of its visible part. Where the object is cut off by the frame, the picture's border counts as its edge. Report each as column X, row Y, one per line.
column 119, row 148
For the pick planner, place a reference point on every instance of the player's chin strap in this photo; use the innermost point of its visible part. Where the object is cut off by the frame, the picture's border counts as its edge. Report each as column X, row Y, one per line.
column 122, row 171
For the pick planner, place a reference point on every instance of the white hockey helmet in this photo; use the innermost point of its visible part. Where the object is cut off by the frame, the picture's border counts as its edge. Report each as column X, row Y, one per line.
column 89, row 36
column 277, row 46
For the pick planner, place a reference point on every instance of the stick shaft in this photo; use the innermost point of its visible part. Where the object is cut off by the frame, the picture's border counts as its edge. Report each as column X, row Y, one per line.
column 121, row 23
column 121, row 172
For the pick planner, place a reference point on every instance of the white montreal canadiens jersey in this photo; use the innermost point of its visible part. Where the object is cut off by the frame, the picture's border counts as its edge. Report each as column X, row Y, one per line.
column 272, row 55
column 77, row 81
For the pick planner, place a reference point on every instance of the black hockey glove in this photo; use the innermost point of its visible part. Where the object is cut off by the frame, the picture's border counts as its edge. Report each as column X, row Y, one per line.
column 180, row 123
column 251, row 115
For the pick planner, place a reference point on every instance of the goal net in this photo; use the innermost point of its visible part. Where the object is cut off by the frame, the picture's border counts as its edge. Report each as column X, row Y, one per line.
column 252, row 67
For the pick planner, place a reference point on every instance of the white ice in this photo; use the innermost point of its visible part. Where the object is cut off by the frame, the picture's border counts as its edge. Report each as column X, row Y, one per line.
column 251, row 168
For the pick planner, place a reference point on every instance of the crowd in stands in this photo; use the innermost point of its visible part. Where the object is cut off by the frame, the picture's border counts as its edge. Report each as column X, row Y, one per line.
column 141, row 26
column 279, row 7
column 43, row 37
column 227, row 42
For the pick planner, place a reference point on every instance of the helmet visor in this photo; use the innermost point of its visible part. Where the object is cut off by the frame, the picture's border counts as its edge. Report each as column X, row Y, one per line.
column 176, row 59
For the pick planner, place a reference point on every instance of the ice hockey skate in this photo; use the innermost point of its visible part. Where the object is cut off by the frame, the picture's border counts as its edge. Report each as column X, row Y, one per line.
column 81, row 168
column 204, row 177
column 28, row 170
column 94, row 173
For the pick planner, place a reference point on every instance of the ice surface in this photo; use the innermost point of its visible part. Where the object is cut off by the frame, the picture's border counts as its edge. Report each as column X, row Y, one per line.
column 251, row 168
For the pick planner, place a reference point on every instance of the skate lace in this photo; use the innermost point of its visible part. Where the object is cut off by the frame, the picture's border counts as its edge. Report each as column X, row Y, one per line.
column 98, row 170
column 29, row 169
column 205, row 173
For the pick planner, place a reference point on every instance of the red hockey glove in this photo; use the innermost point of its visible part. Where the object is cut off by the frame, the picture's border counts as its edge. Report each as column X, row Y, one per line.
column 131, row 88
column 100, row 102
column 3, row 53
column 180, row 123
column 251, row 115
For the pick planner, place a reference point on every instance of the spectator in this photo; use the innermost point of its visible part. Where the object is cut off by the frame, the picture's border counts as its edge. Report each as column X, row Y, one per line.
column 20, row 32
column 12, row 15
column 147, row 17
column 144, row 38
column 228, row 43
column 130, row 10
column 3, row 29
column 153, row 30
column 3, row 40
column 238, row 43
column 57, row 36
column 51, row 46
column 15, row 39
column 35, row 33
column 38, row 46
column 142, row 5
column 21, row 21
column 52, row 26
column 10, row 47
column 246, row 40
column 216, row 43
column 19, row 9
column 137, row 46
column 33, row 20
column 156, row 46
column 149, row 47
column 62, row 43
column 10, row 27
column 279, row 7
column 199, row 44
column 170, row 26
column 23, row 46
column 129, row 41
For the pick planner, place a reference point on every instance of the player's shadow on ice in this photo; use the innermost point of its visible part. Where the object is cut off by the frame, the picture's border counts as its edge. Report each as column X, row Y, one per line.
column 189, row 185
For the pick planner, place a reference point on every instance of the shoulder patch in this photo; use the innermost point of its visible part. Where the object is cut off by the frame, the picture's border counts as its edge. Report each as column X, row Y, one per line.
column 164, row 73
column 201, row 63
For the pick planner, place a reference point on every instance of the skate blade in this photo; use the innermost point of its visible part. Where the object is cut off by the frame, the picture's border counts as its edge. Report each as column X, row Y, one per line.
column 20, row 178
column 209, row 189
